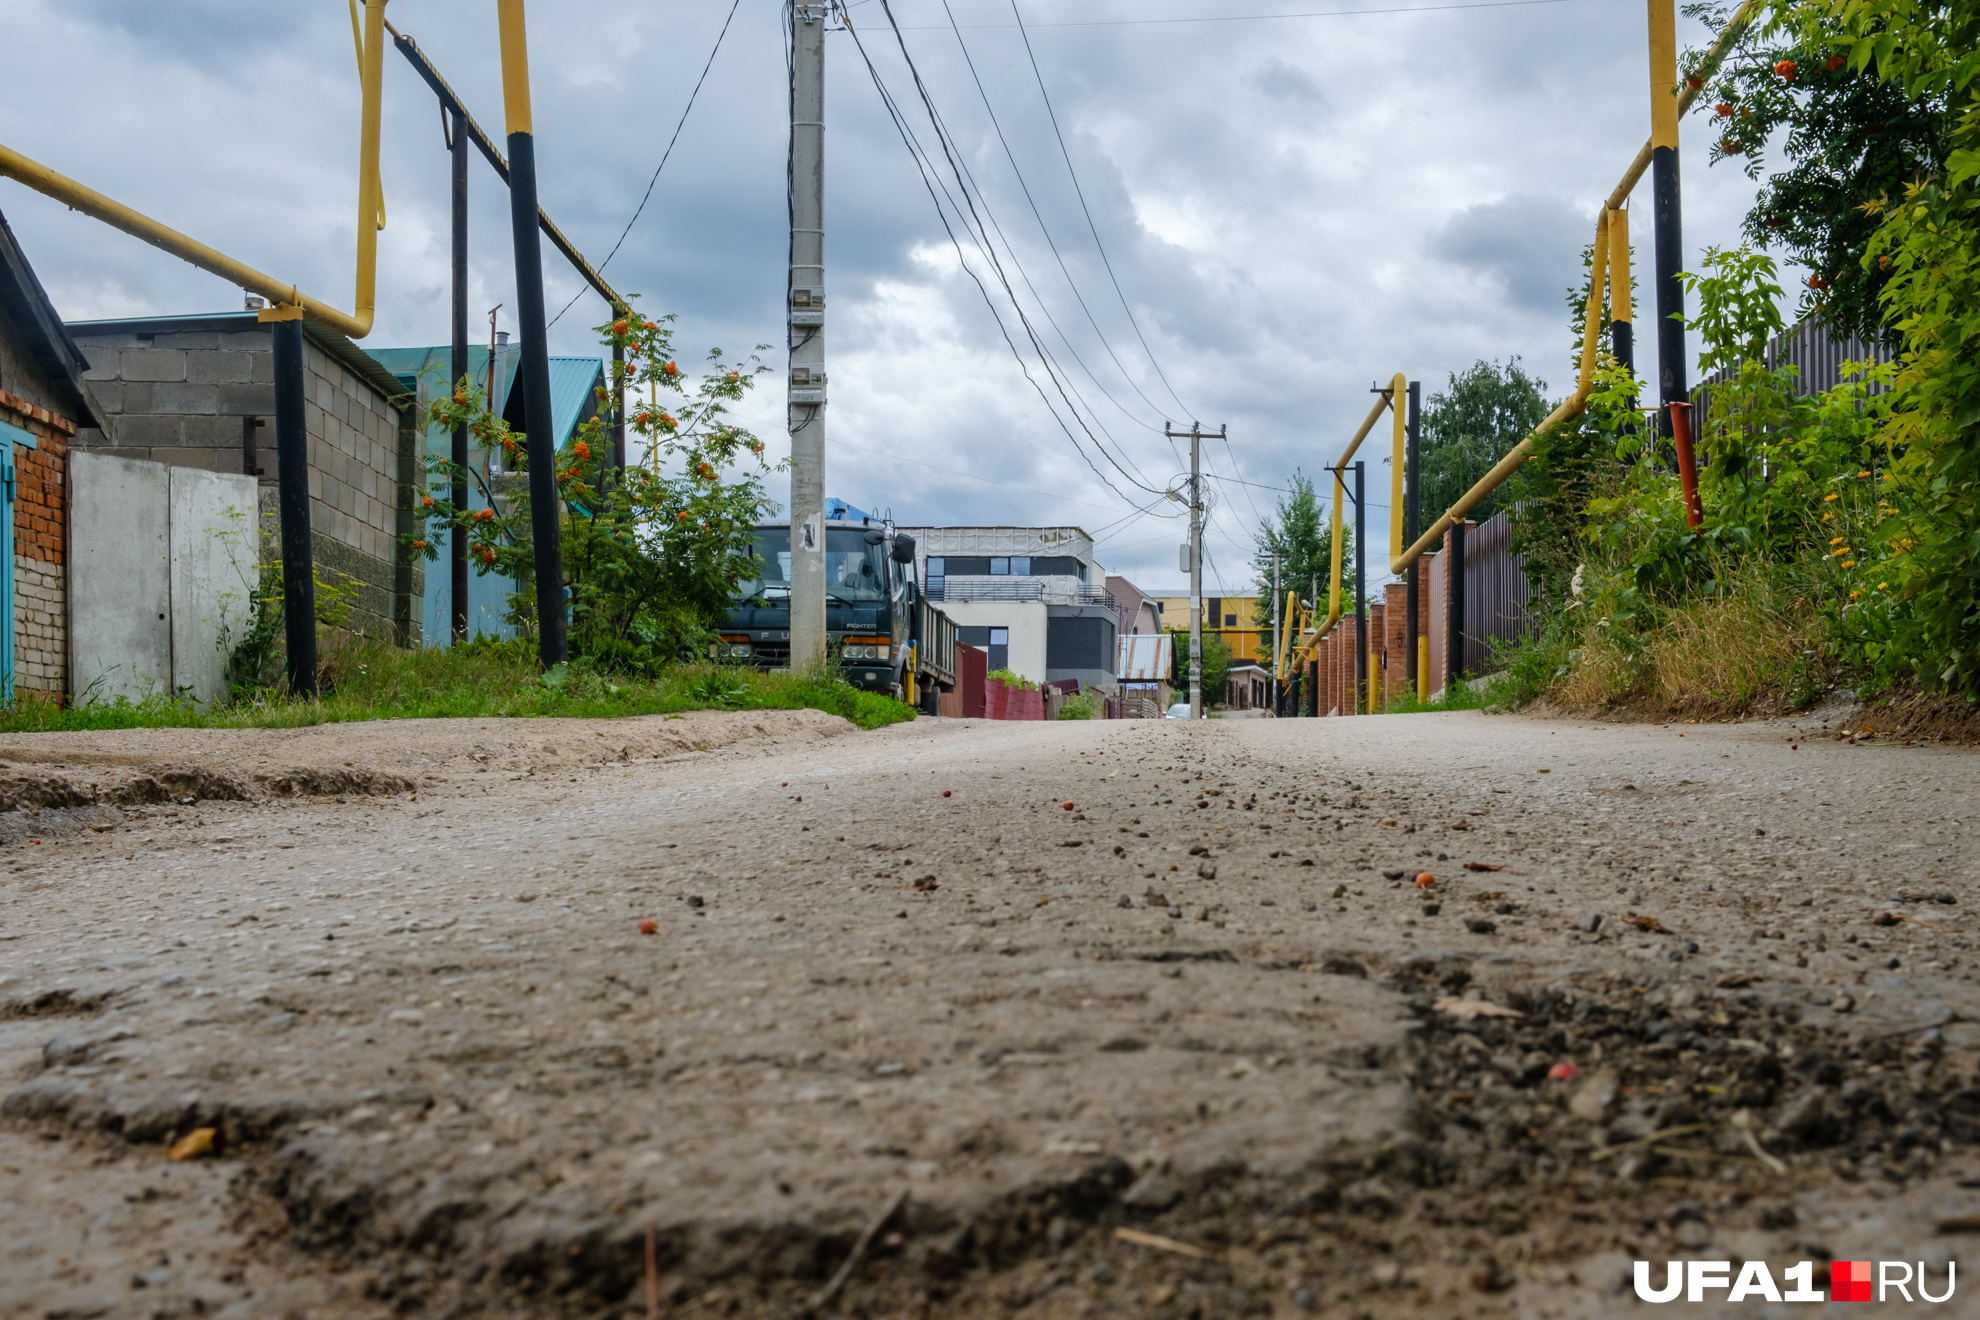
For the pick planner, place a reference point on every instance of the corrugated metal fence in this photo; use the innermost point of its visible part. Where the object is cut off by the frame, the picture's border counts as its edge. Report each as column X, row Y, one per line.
column 1497, row 595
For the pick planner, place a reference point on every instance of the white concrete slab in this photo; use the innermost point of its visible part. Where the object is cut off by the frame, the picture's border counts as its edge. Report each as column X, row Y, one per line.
column 216, row 564
column 119, row 577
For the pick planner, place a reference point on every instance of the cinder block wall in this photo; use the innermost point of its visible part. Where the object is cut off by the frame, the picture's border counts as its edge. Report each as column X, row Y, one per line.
column 178, row 391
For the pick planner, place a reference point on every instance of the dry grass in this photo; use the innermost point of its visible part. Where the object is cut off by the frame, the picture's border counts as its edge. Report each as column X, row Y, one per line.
column 1748, row 650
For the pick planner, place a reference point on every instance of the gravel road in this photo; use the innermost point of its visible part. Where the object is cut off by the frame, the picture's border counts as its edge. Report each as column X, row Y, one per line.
column 1108, row 1019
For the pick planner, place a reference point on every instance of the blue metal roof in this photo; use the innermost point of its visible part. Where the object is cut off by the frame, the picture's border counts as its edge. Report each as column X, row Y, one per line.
column 572, row 380
column 571, row 400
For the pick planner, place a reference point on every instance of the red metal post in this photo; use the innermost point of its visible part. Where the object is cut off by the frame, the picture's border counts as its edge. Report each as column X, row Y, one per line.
column 1694, row 511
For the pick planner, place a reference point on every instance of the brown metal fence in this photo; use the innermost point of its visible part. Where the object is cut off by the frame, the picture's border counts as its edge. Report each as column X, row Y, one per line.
column 1497, row 595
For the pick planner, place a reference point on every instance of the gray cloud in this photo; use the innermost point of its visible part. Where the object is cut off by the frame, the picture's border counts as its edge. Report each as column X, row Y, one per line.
column 1530, row 246
column 1269, row 228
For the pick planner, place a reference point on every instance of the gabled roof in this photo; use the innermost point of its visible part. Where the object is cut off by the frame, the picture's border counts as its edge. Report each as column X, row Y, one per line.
column 572, row 380
column 26, row 304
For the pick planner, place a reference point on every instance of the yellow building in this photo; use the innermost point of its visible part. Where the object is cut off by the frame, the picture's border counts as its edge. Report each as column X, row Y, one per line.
column 1227, row 616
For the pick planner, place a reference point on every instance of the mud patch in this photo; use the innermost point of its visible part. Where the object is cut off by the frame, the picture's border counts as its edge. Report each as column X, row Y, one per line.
column 154, row 785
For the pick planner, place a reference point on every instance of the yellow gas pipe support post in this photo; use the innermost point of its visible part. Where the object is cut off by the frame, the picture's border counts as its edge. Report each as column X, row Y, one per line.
column 1621, row 309
column 1573, row 405
column 1340, row 467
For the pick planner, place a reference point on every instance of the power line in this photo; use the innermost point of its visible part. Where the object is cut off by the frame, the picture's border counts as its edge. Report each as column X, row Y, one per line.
column 1044, row 229
column 971, row 476
column 1053, row 115
column 922, row 166
column 1251, row 18
column 737, row 4
column 979, row 234
column 972, row 193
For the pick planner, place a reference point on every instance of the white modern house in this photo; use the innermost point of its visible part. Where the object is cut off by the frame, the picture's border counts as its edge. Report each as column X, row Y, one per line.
column 1033, row 597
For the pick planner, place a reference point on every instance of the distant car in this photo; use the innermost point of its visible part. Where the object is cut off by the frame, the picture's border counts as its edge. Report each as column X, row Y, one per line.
column 1179, row 711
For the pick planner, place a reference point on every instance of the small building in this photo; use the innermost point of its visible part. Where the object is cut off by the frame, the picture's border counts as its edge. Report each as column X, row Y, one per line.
column 44, row 402
column 1230, row 617
column 198, row 391
column 1247, row 686
column 1030, row 596
column 1147, row 668
column 423, row 373
column 1136, row 608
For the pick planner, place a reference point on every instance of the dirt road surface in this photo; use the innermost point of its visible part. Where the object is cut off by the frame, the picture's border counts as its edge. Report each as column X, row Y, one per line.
column 970, row 1019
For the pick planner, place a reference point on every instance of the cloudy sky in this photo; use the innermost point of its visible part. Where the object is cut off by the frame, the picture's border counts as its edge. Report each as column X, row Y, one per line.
column 1293, row 208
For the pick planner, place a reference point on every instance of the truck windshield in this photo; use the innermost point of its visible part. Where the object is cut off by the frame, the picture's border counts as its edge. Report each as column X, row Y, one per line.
column 854, row 570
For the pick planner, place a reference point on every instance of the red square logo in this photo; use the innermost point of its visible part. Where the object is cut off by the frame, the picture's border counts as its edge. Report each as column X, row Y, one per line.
column 1849, row 1281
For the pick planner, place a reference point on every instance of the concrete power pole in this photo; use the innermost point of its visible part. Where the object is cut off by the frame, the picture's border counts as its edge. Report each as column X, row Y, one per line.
column 807, row 335
column 1195, row 556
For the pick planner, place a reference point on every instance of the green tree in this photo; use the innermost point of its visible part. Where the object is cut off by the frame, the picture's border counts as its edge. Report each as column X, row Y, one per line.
column 1300, row 530
column 1850, row 136
column 1468, row 427
column 1216, row 664
column 651, row 554
column 1922, row 615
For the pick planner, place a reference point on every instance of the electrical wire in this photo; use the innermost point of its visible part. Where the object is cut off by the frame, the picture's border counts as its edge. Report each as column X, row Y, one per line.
column 973, row 194
column 1053, row 115
column 1251, row 18
column 922, row 167
column 966, row 212
column 1044, row 229
column 737, row 4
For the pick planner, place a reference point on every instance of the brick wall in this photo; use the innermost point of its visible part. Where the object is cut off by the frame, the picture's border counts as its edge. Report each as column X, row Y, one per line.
column 1394, row 640
column 41, row 598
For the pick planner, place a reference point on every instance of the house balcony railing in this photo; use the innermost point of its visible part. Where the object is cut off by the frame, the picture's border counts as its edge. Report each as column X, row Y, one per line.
column 1052, row 591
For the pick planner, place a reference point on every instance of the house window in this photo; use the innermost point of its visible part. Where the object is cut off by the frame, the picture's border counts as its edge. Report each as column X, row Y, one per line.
column 937, row 574
column 1230, row 620
column 1020, row 565
column 1000, row 568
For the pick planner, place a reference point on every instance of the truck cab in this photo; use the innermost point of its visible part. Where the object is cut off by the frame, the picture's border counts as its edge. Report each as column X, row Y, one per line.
column 870, row 604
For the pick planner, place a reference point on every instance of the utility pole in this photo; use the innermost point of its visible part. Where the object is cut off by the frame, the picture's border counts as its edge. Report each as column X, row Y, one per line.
column 806, row 310
column 544, row 513
column 457, row 550
column 1195, row 555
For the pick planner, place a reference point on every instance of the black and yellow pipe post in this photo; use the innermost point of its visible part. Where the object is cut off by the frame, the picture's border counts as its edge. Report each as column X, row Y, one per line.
column 1454, row 590
column 1622, row 334
column 1668, row 208
column 1412, row 516
column 1360, row 584
column 534, row 368
column 292, row 489
column 457, row 550
column 618, row 404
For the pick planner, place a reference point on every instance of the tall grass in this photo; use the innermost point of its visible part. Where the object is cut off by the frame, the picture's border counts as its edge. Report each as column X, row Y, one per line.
column 370, row 680
column 1756, row 641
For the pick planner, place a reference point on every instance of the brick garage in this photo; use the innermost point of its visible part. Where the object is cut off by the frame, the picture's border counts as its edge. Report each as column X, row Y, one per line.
column 186, row 390
column 43, row 401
